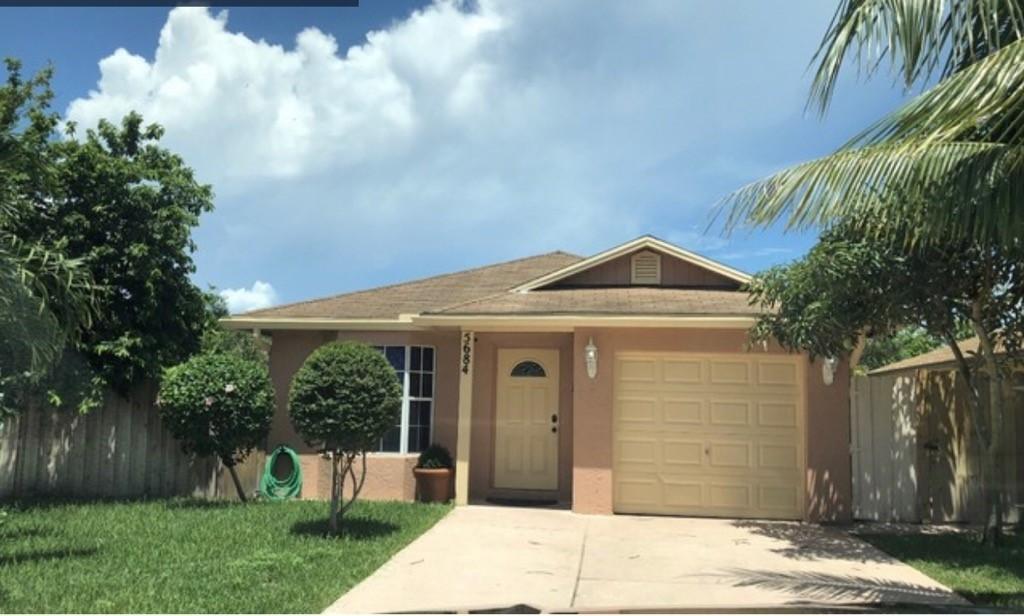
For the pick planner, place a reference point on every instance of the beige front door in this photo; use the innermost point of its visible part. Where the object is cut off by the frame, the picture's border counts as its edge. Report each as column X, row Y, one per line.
column 710, row 435
column 526, row 420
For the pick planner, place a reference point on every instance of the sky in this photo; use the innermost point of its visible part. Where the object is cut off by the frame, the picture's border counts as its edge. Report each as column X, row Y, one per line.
column 355, row 147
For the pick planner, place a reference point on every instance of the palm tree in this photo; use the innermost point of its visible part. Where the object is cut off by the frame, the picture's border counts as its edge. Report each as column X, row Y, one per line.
column 45, row 297
column 951, row 161
column 945, row 168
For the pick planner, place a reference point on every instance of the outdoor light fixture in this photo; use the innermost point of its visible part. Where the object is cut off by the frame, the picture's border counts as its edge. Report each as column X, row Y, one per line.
column 590, row 356
column 828, row 369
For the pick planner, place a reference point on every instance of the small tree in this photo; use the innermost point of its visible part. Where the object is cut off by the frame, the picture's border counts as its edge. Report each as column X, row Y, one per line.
column 851, row 285
column 343, row 399
column 218, row 404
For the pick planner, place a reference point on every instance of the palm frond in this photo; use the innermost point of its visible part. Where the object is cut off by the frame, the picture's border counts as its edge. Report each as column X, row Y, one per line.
column 985, row 102
column 917, row 38
column 947, row 189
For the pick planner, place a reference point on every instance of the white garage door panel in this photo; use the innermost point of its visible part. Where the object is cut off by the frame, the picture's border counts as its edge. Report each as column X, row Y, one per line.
column 708, row 435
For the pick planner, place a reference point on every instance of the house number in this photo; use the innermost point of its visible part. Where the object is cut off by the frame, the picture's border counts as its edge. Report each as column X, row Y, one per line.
column 467, row 351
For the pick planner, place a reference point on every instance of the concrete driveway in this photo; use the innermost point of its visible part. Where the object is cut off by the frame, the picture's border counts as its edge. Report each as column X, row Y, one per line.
column 553, row 560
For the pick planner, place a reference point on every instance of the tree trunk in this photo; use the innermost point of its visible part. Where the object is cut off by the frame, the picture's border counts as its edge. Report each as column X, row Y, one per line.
column 992, row 534
column 234, row 478
column 336, row 478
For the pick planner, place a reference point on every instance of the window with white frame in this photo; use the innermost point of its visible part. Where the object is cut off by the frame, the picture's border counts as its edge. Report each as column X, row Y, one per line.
column 415, row 368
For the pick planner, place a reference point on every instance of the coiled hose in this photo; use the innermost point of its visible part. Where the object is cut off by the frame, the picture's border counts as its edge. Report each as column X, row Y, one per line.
column 276, row 489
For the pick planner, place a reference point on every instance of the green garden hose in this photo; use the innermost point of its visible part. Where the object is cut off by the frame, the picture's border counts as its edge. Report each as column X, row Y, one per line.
column 277, row 489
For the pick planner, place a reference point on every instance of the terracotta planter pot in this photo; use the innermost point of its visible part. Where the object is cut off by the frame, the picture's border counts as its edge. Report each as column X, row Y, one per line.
column 433, row 485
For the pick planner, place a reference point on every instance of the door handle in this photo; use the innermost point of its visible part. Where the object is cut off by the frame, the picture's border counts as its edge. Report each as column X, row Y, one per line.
column 554, row 429
column 554, row 418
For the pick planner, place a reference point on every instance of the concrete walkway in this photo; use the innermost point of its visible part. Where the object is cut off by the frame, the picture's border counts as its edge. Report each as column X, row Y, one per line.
column 556, row 560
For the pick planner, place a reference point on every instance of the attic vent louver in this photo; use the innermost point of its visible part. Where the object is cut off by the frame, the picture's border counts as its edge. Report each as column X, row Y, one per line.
column 646, row 268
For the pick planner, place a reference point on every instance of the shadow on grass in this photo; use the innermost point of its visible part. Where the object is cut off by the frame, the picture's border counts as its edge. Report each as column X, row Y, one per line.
column 13, row 534
column 996, row 599
column 352, row 527
column 975, row 571
column 29, row 557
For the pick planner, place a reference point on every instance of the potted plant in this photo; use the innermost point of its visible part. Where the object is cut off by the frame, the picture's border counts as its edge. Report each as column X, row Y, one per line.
column 434, row 475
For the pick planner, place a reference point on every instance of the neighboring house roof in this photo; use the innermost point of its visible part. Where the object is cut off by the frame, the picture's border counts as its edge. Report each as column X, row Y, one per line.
column 422, row 295
column 544, row 286
column 935, row 357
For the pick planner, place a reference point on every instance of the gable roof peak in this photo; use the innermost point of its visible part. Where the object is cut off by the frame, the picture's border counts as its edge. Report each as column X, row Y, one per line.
column 644, row 241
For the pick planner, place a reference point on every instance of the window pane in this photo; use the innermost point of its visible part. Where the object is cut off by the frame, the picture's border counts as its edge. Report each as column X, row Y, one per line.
column 396, row 355
column 428, row 359
column 415, row 357
column 419, row 413
column 418, row 439
column 427, row 386
column 414, row 384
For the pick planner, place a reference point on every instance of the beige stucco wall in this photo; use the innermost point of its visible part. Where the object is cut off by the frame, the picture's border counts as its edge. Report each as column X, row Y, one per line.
column 389, row 476
column 827, row 421
column 481, row 484
column 585, row 445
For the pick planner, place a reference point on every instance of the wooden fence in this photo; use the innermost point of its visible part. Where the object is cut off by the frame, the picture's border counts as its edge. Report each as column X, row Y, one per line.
column 914, row 453
column 884, row 448
column 120, row 450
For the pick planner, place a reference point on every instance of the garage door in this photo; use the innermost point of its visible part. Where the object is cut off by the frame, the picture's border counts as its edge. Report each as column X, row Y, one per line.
column 709, row 435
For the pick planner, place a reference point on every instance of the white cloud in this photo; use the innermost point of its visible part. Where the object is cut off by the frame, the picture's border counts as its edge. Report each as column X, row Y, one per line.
column 460, row 135
column 260, row 295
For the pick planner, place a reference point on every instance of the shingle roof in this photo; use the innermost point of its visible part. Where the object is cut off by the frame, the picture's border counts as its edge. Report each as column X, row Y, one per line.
column 934, row 357
column 609, row 300
column 425, row 295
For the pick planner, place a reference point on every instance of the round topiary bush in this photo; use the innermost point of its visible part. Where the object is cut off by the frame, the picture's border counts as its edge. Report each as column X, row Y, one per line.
column 343, row 399
column 218, row 404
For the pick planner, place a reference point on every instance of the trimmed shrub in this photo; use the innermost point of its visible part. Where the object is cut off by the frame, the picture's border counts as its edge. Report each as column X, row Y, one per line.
column 435, row 456
column 343, row 399
column 218, row 404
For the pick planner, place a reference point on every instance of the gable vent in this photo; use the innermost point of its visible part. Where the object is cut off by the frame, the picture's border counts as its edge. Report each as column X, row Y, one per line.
column 646, row 268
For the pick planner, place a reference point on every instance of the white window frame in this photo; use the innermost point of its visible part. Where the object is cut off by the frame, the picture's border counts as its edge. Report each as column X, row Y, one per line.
column 403, row 430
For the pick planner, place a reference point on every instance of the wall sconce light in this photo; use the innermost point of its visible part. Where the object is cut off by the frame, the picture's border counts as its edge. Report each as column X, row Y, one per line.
column 828, row 369
column 590, row 357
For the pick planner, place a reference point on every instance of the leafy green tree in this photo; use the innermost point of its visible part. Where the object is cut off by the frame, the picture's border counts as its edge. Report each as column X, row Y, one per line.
column 850, row 285
column 113, row 206
column 343, row 399
column 46, row 298
column 128, row 206
column 887, row 348
column 904, row 343
column 218, row 404
column 949, row 163
column 217, row 339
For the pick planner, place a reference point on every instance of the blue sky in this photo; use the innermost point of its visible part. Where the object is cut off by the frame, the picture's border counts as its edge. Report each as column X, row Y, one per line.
column 355, row 147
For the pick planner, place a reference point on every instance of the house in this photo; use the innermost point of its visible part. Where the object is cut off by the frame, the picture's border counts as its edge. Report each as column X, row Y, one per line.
column 916, row 456
column 621, row 382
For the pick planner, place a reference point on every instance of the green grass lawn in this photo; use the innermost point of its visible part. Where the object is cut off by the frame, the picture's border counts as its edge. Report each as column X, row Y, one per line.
column 194, row 556
column 981, row 575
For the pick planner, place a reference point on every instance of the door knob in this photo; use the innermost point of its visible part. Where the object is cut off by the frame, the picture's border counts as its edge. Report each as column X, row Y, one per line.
column 554, row 429
column 554, row 418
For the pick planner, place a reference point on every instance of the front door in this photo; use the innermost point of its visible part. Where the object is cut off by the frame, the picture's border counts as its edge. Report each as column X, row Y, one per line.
column 526, row 420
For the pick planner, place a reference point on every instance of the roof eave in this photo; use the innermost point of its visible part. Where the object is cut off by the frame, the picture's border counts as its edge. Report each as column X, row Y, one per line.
column 533, row 322
column 402, row 323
